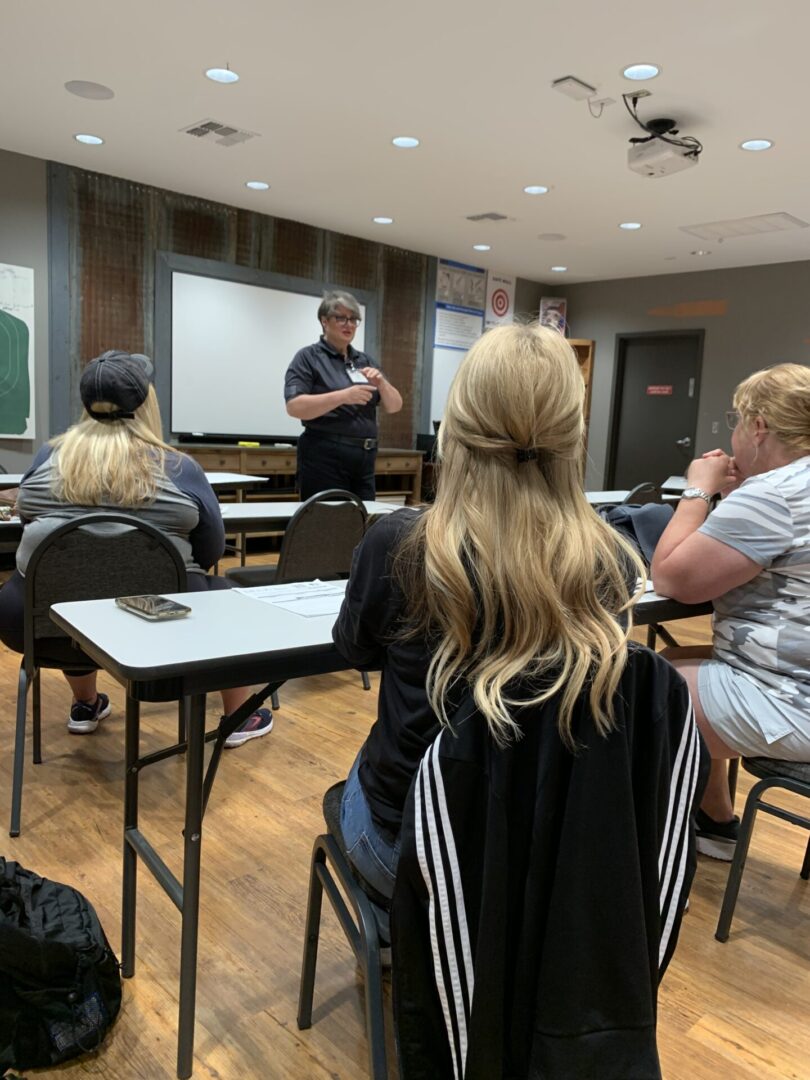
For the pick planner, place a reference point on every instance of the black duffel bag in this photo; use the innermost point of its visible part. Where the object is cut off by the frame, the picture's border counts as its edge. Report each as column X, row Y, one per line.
column 60, row 988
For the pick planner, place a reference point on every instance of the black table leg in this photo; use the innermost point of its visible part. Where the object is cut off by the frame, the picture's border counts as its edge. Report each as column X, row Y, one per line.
column 191, row 883
column 132, row 740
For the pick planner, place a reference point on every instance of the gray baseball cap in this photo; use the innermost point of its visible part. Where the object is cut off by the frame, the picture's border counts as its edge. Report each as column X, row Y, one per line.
column 119, row 378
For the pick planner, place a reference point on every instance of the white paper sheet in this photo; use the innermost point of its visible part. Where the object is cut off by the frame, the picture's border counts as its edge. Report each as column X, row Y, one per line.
column 310, row 599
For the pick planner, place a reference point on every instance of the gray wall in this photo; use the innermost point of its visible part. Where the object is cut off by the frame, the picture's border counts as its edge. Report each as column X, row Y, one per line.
column 527, row 297
column 765, row 320
column 24, row 242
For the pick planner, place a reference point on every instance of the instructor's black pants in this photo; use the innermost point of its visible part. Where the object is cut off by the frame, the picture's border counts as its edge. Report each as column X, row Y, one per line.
column 324, row 464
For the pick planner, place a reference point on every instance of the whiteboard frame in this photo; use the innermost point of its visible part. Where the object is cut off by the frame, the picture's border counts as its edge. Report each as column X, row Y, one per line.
column 167, row 263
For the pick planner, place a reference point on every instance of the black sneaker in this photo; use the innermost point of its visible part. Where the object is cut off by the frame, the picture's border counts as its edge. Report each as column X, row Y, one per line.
column 257, row 724
column 717, row 839
column 84, row 718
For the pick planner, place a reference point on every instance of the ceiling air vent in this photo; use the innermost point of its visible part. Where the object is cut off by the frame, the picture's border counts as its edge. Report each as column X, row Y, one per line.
column 750, row 226
column 491, row 215
column 221, row 134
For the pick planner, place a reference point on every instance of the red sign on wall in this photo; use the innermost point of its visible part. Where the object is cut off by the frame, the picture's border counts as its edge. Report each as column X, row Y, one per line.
column 659, row 391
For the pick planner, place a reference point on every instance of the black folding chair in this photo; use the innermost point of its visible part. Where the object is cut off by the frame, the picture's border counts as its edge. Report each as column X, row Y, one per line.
column 643, row 494
column 318, row 543
column 363, row 916
column 95, row 557
column 789, row 776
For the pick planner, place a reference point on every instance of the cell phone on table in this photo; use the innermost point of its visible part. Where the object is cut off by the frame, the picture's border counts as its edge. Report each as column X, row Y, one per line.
column 150, row 606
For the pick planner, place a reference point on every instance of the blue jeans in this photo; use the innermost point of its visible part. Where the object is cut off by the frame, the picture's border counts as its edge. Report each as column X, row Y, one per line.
column 372, row 854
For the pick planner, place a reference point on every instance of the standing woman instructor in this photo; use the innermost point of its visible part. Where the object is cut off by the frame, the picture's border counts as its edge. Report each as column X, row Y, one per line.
column 334, row 390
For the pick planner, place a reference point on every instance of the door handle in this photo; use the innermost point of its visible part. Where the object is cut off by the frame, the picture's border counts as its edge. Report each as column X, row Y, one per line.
column 685, row 443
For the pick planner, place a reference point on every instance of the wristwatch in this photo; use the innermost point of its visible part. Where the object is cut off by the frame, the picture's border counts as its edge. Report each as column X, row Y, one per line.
column 696, row 493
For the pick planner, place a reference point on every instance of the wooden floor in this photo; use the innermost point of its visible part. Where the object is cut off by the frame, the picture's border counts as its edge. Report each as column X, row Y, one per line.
column 738, row 1010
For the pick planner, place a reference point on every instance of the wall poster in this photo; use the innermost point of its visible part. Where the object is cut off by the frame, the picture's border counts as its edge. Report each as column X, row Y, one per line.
column 460, row 297
column 553, row 313
column 500, row 307
column 16, row 352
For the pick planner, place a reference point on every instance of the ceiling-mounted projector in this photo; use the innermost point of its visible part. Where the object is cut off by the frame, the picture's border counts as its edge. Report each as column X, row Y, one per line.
column 657, row 158
column 662, row 151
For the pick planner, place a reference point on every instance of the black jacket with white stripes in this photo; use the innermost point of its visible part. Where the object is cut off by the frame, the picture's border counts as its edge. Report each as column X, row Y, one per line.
column 539, row 892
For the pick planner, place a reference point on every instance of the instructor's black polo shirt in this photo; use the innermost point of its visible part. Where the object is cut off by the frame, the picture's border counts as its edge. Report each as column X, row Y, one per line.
column 320, row 369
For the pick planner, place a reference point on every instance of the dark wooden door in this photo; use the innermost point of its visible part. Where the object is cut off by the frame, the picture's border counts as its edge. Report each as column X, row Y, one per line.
column 655, row 407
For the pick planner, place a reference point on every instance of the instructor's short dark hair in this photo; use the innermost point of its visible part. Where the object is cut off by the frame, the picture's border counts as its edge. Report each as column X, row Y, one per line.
column 335, row 299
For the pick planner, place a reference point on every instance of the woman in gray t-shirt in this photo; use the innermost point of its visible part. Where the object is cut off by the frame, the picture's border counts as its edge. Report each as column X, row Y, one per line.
column 751, row 557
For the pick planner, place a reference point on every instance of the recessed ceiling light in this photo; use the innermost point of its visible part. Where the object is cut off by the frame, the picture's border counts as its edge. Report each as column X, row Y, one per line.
column 89, row 140
column 536, row 189
column 640, row 72
column 383, row 220
column 482, row 247
column 92, row 90
column 257, row 185
column 558, row 269
column 405, row 142
column 630, row 226
column 222, row 75
column 701, row 252
column 756, row 144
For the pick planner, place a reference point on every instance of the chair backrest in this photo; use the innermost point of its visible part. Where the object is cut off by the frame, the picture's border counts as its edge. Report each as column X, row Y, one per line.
column 321, row 537
column 93, row 558
column 643, row 494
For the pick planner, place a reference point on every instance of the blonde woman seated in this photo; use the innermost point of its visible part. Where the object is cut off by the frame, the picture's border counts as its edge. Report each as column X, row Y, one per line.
column 550, row 744
column 115, row 458
column 751, row 557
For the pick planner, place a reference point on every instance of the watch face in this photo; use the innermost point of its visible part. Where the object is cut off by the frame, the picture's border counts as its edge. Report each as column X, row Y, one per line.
column 694, row 493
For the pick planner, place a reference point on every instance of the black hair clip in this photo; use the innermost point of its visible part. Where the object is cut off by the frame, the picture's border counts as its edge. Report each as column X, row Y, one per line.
column 527, row 454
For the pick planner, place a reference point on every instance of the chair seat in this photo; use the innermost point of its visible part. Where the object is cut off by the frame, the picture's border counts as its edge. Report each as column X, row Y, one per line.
column 766, row 767
column 252, row 576
column 331, row 815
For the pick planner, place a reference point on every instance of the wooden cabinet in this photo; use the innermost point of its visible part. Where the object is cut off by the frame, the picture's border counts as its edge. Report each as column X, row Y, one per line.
column 399, row 472
column 213, row 460
column 584, row 350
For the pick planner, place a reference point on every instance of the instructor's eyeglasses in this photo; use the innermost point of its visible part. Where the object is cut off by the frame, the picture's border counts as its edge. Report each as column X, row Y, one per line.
column 342, row 320
column 732, row 419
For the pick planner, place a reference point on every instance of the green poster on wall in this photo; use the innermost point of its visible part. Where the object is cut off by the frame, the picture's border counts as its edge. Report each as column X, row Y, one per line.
column 16, row 351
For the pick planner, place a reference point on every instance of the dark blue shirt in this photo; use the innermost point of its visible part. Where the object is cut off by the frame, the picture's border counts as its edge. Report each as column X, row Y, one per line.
column 320, row 369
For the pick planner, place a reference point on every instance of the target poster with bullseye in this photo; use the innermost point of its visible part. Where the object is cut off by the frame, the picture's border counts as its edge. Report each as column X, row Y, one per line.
column 16, row 352
column 500, row 307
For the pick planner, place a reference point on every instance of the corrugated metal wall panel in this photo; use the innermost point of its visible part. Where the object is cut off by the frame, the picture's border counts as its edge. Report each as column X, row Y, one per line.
column 402, row 319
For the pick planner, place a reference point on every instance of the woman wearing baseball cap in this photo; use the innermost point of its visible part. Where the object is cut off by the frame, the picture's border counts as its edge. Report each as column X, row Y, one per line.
column 115, row 458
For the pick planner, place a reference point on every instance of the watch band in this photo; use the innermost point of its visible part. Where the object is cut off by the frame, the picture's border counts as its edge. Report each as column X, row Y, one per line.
column 697, row 493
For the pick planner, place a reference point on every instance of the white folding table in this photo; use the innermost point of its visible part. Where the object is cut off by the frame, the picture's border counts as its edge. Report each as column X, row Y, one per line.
column 229, row 639
column 674, row 484
column 248, row 517
column 233, row 481
column 606, row 498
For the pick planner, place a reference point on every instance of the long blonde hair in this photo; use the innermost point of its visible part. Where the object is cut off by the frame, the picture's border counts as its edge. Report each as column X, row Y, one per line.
column 510, row 573
column 781, row 396
column 112, row 463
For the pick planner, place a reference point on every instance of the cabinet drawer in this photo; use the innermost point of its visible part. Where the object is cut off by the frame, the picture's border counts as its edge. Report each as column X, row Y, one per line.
column 267, row 464
column 397, row 464
column 217, row 460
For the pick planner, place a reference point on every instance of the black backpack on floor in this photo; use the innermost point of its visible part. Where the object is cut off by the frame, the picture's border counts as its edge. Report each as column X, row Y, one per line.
column 60, row 988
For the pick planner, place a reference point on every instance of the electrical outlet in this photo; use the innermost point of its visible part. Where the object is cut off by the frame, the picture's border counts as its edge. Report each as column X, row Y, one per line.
column 715, row 427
